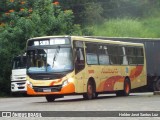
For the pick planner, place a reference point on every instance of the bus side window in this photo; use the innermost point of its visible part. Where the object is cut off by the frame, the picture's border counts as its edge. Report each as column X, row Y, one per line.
column 125, row 60
column 79, row 56
column 112, row 51
column 131, row 55
column 103, row 55
column 140, row 56
column 92, row 53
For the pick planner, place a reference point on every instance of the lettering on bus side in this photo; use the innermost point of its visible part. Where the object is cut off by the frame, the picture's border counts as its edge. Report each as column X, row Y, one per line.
column 110, row 71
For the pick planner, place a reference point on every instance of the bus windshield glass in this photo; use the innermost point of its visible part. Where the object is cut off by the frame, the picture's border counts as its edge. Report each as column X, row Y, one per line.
column 49, row 60
column 19, row 62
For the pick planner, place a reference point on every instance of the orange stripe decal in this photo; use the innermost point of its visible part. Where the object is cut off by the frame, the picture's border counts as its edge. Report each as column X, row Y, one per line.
column 57, row 81
column 136, row 72
column 108, row 85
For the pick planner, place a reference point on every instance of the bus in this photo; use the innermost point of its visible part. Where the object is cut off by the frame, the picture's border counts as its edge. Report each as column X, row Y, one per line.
column 151, row 45
column 70, row 65
column 18, row 76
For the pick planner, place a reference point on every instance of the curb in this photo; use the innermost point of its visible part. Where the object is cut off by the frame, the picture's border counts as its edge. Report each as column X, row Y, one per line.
column 156, row 92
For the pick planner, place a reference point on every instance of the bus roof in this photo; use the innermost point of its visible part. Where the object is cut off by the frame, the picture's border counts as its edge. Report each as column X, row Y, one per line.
column 125, row 38
column 90, row 39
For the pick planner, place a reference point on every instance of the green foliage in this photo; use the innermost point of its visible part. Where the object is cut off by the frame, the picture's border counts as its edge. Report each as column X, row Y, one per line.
column 151, row 27
column 86, row 12
column 93, row 13
column 119, row 27
column 127, row 27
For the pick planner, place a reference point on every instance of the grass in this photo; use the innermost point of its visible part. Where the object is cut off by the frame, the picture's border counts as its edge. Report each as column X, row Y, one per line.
column 127, row 27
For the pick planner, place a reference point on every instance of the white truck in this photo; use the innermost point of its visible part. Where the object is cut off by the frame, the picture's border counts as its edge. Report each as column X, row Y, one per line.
column 18, row 76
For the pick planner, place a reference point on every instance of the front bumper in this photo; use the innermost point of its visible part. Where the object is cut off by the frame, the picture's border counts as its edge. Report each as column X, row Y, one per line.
column 58, row 90
column 18, row 86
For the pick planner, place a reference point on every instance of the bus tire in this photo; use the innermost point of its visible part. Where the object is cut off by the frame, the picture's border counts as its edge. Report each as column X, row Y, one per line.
column 158, row 85
column 50, row 98
column 126, row 90
column 91, row 91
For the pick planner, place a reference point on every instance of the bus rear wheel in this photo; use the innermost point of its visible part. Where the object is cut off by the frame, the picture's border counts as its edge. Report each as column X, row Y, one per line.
column 50, row 98
column 91, row 91
column 126, row 90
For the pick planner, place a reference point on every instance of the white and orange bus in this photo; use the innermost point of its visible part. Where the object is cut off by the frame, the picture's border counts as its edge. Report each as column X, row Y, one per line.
column 66, row 65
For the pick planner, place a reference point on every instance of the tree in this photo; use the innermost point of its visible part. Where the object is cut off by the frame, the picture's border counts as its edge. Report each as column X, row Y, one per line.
column 85, row 11
column 23, row 21
column 93, row 13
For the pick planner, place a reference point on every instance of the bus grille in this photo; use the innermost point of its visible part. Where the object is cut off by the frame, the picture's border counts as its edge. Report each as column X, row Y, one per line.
column 43, row 88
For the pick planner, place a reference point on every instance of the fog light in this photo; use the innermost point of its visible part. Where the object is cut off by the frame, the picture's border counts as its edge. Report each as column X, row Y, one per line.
column 30, row 84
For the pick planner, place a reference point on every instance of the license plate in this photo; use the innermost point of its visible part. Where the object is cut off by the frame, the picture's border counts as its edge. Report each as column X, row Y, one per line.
column 46, row 90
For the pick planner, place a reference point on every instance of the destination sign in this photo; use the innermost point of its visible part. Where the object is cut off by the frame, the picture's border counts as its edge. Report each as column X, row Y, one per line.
column 51, row 41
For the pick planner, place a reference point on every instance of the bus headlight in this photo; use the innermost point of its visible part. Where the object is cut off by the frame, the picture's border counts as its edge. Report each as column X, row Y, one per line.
column 70, row 80
column 29, row 83
column 66, row 82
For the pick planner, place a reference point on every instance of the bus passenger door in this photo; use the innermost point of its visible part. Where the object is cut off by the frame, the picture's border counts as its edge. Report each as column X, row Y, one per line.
column 79, row 65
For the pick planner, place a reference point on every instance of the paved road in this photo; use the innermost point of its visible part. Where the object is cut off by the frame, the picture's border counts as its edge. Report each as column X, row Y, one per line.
column 134, row 102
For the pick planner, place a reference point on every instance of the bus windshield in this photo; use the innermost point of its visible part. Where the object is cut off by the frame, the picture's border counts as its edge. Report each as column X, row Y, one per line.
column 19, row 62
column 49, row 60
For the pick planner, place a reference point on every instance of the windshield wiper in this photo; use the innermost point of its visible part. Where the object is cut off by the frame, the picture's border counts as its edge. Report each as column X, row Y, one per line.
column 55, row 55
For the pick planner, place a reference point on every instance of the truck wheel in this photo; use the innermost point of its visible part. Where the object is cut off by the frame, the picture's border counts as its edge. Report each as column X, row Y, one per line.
column 158, row 85
column 50, row 98
column 126, row 90
column 154, row 86
column 91, row 91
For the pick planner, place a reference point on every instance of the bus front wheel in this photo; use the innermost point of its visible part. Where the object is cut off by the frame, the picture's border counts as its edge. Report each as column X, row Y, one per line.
column 91, row 91
column 50, row 98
